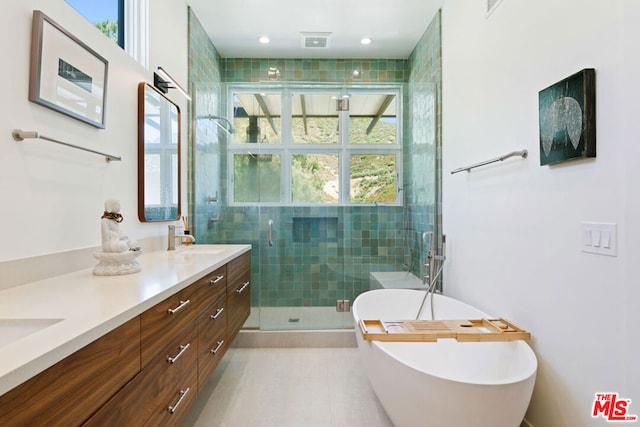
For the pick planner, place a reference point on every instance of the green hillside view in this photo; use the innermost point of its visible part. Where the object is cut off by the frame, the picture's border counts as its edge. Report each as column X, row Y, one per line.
column 315, row 176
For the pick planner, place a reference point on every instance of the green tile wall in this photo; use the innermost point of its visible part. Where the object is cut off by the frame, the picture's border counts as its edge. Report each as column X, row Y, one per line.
column 422, row 150
column 242, row 70
column 318, row 271
column 205, row 150
column 204, row 60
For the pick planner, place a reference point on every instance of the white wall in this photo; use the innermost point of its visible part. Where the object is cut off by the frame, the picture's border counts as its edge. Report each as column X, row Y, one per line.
column 513, row 229
column 631, row 131
column 53, row 196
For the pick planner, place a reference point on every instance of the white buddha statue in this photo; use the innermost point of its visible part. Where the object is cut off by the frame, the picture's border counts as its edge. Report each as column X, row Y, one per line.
column 112, row 239
column 118, row 255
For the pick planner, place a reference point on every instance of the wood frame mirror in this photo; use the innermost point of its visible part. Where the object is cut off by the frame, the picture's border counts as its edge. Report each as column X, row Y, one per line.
column 158, row 156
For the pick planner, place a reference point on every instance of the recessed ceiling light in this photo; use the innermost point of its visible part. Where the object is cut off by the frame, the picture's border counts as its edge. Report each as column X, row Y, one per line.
column 365, row 40
column 264, row 40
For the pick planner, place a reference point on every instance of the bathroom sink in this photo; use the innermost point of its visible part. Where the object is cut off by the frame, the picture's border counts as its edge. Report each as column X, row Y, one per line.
column 201, row 250
column 14, row 329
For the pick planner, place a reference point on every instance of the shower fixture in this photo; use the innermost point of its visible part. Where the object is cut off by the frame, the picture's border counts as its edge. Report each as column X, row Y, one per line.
column 222, row 122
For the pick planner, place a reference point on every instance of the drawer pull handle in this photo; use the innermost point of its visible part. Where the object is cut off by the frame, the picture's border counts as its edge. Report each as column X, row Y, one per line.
column 216, row 280
column 215, row 350
column 183, row 393
column 183, row 348
column 218, row 313
column 244, row 286
column 182, row 305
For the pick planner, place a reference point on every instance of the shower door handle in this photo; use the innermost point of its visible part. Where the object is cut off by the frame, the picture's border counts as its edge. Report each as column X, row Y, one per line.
column 270, row 232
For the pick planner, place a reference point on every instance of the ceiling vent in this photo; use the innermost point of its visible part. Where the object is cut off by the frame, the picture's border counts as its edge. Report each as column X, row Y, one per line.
column 315, row 40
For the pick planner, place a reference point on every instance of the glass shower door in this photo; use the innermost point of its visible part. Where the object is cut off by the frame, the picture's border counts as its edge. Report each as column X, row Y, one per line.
column 302, row 271
column 299, row 271
column 313, row 254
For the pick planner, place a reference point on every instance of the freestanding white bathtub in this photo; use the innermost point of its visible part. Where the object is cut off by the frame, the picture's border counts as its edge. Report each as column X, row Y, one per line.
column 444, row 383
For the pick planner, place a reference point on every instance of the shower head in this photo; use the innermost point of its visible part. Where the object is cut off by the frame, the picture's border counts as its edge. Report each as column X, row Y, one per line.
column 222, row 122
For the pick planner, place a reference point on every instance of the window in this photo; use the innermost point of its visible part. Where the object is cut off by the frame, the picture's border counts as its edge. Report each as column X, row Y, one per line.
column 315, row 118
column 314, row 178
column 258, row 115
column 339, row 146
column 107, row 15
column 256, row 177
column 372, row 178
column 372, row 119
column 123, row 21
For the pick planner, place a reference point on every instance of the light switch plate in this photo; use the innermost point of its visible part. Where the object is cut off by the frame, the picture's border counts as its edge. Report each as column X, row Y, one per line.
column 600, row 238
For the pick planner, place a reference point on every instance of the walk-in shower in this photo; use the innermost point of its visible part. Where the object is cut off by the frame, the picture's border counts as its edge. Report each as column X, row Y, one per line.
column 323, row 250
column 311, row 255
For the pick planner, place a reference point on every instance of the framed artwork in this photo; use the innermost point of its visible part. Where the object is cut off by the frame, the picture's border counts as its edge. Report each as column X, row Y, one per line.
column 568, row 119
column 66, row 75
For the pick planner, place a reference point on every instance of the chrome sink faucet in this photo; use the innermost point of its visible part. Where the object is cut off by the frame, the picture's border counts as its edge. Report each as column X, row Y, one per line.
column 173, row 236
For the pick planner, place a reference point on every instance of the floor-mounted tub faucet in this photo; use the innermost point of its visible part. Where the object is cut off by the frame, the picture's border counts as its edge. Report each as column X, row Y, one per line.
column 171, row 241
column 431, row 279
column 433, row 256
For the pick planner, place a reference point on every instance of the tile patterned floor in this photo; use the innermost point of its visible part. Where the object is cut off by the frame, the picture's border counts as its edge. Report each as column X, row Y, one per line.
column 288, row 387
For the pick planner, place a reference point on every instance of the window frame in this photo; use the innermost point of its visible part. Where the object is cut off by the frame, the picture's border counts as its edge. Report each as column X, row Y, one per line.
column 286, row 148
column 133, row 28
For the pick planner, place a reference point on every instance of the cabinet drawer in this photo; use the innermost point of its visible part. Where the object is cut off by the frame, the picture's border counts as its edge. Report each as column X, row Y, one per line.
column 70, row 391
column 239, row 305
column 212, row 340
column 208, row 360
column 212, row 325
column 173, row 409
column 139, row 399
column 238, row 266
column 210, row 288
column 165, row 321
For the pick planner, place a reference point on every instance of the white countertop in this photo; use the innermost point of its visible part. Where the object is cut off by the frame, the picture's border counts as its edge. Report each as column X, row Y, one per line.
column 90, row 306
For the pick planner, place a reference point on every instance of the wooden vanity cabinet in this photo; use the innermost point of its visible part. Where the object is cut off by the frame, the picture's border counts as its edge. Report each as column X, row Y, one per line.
column 69, row 391
column 195, row 336
column 170, row 337
column 143, row 396
column 148, row 371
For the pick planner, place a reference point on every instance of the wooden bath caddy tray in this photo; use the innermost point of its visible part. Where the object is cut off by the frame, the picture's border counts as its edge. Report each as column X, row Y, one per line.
column 476, row 330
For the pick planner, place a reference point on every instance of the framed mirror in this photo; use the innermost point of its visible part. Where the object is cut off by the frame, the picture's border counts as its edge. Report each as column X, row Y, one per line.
column 158, row 156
